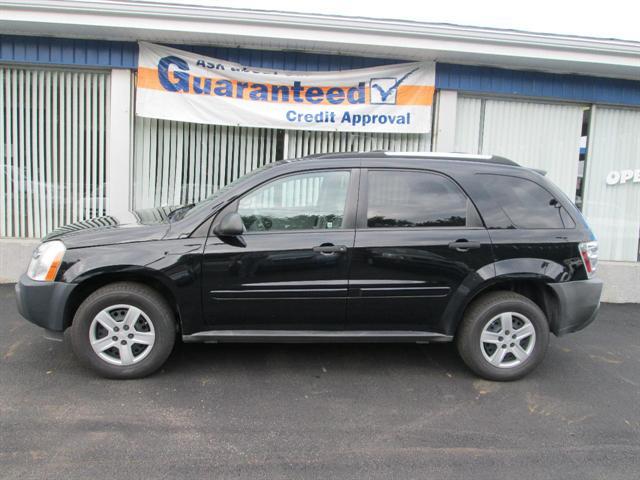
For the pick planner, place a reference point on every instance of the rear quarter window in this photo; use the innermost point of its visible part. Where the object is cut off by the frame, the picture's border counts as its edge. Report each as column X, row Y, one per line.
column 527, row 204
column 409, row 199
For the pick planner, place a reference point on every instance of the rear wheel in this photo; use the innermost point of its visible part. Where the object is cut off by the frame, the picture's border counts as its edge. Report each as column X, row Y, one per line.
column 503, row 336
column 123, row 330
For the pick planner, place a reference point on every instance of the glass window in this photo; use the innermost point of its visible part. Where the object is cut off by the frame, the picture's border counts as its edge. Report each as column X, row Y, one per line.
column 309, row 201
column 414, row 199
column 527, row 204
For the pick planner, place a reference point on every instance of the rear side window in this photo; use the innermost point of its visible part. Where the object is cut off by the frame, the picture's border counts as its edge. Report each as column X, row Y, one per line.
column 527, row 204
column 414, row 199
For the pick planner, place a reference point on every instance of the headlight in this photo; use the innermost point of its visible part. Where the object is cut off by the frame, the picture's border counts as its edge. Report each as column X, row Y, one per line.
column 46, row 261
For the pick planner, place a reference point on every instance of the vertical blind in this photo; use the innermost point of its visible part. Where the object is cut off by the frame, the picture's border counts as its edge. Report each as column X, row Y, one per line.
column 52, row 149
column 613, row 211
column 468, row 125
column 302, row 142
column 177, row 163
column 536, row 135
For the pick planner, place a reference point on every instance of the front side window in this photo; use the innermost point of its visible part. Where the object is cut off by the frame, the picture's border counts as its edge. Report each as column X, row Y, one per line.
column 527, row 204
column 414, row 199
column 308, row 201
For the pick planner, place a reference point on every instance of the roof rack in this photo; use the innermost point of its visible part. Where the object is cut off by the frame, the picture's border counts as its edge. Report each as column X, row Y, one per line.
column 494, row 159
column 465, row 156
column 456, row 156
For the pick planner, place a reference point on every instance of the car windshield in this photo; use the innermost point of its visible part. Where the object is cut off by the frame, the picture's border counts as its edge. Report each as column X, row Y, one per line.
column 193, row 209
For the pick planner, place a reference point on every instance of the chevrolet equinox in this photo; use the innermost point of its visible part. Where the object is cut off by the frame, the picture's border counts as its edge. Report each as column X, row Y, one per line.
column 375, row 247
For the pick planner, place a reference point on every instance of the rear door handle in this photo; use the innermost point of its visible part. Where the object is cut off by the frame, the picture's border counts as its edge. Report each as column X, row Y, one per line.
column 328, row 249
column 464, row 245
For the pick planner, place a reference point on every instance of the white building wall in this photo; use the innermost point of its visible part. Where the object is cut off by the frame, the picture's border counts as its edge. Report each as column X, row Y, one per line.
column 613, row 211
column 444, row 125
column 119, row 143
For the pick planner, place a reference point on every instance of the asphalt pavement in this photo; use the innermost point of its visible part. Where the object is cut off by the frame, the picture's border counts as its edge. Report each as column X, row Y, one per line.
column 322, row 411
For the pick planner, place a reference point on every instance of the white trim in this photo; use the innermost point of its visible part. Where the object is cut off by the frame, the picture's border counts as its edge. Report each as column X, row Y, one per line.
column 203, row 24
column 208, row 13
column 119, row 138
column 445, row 121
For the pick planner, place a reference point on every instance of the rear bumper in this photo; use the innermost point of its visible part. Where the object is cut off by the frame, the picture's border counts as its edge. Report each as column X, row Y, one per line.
column 578, row 304
column 43, row 303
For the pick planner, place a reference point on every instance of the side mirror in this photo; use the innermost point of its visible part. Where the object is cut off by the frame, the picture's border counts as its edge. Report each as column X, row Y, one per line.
column 231, row 225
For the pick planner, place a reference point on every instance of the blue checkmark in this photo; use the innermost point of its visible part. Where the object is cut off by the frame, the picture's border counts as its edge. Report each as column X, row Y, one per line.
column 385, row 94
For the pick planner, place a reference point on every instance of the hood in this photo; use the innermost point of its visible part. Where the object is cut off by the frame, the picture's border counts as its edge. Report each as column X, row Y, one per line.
column 136, row 226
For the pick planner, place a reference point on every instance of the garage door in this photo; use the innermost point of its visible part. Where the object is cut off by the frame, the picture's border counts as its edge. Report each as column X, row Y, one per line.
column 534, row 134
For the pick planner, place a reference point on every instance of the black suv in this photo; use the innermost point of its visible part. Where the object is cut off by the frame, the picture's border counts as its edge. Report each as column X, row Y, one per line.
column 378, row 247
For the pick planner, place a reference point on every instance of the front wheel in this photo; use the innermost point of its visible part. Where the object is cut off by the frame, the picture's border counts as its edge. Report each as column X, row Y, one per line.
column 123, row 330
column 503, row 336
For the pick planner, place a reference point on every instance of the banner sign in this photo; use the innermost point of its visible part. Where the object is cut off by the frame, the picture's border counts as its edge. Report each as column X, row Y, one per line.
column 178, row 85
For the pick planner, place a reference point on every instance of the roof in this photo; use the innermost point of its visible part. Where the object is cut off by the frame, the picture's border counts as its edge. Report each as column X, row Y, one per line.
column 384, row 38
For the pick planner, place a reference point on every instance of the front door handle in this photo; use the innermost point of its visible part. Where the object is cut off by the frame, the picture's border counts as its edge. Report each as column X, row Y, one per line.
column 463, row 245
column 329, row 249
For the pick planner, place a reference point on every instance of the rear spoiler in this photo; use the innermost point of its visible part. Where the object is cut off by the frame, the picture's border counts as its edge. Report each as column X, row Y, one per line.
column 537, row 170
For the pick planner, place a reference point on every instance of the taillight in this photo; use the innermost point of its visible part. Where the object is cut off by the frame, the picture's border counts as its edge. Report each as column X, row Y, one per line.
column 589, row 254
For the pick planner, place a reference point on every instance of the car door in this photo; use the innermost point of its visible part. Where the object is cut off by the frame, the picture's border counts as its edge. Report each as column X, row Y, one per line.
column 289, row 270
column 418, row 237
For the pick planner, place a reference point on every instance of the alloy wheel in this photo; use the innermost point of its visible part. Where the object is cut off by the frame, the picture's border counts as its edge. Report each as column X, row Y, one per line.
column 507, row 340
column 122, row 335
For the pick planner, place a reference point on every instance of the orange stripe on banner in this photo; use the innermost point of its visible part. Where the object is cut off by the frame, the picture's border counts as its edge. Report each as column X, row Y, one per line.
column 148, row 78
column 415, row 95
column 406, row 94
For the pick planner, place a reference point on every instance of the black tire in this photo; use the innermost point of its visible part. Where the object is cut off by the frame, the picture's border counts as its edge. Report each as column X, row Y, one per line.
column 137, row 295
column 478, row 315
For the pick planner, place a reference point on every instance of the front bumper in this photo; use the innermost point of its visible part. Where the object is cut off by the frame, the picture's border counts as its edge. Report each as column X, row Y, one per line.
column 43, row 303
column 578, row 305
